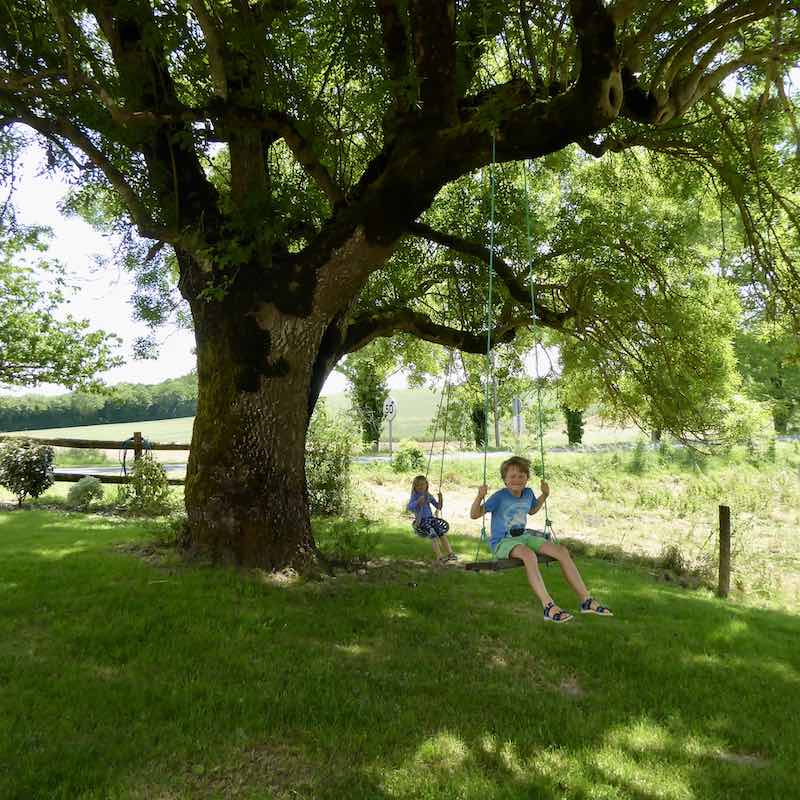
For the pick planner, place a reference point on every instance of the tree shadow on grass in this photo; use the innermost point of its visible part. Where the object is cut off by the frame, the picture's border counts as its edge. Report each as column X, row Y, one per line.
column 119, row 683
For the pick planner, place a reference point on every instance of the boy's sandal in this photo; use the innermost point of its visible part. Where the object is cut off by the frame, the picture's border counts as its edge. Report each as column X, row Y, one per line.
column 588, row 608
column 555, row 616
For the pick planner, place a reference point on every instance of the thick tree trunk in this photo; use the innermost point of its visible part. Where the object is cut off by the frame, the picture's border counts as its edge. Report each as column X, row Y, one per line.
column 246, row 496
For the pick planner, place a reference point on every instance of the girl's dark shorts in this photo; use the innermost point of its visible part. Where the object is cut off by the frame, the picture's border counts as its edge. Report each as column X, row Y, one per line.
column 431, row 528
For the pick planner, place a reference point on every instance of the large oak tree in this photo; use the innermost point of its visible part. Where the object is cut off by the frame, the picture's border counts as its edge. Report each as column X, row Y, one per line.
column 339, row 124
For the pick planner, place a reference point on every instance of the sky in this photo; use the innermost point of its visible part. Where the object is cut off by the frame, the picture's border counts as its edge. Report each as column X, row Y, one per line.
column 103, row 296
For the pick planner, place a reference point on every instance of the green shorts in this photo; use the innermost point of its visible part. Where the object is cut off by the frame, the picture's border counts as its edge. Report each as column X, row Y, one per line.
column 508, row 543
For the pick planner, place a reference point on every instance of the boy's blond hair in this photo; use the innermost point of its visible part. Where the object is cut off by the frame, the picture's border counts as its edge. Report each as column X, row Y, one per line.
column 522, row 464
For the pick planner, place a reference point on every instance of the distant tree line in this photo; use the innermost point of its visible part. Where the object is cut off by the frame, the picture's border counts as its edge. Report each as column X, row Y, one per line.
column 125, row 402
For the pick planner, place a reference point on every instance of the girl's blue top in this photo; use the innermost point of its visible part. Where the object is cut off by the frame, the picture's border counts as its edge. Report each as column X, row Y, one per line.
column 423, row 511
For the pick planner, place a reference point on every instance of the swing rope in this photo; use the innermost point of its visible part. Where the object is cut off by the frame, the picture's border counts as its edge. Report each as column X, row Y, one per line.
column 489, row 320
column 444, row 429
column 548, row 529
column 488, row 338
column 445, row 390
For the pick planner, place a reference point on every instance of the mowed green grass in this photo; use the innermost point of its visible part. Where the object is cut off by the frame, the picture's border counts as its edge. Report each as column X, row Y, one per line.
column 133, row 675
column 416, row 410
column 161, row 430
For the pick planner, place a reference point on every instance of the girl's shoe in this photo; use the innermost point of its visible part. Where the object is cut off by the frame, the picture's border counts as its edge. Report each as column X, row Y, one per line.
column 555, row 616
column 591, row 606
column 451, row 557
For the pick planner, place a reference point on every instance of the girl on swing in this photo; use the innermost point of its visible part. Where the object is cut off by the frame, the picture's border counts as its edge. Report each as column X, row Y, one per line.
column 510, row 508
column 425, row 524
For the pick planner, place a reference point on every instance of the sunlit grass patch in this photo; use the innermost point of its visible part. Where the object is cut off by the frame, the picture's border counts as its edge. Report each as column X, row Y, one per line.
column 655, row 776
column 59, row 552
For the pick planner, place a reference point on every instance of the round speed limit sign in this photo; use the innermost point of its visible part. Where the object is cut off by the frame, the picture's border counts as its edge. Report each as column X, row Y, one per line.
column 390, row 408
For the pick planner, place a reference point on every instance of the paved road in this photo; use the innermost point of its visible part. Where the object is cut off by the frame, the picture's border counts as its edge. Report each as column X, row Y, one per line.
column 112, row 470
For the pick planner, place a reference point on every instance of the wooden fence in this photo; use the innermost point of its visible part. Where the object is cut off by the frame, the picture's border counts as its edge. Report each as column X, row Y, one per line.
column 137, row 443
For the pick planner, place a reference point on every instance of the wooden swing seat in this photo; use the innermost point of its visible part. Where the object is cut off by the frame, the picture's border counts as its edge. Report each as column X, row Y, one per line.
column 495, row 565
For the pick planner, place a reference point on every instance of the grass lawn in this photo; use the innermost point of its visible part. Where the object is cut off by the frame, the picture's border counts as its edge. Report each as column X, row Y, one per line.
column 160, row 430
column 127, row 674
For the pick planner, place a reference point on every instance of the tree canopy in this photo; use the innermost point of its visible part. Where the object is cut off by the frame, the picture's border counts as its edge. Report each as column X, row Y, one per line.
column 37, row 344
column 304, row 164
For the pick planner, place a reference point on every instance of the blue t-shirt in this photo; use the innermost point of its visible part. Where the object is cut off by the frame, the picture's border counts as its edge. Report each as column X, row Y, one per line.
column 424, row 511
column 508, row 512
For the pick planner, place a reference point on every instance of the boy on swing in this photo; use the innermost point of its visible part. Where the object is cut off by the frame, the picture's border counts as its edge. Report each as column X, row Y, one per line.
column 510, row 508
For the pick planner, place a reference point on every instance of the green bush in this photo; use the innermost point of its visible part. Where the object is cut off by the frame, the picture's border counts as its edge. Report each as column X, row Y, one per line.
column 147, row 491
column 640, row 459
column 408, row 458
column 84, row 491
column 575, row 422
column 26, row 468
column 329, row 447
column 672, row 558
column 347, row 541
column 666, row 453
column 479, row 422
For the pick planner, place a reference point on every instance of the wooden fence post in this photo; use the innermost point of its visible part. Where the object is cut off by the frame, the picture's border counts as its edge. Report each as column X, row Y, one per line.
column 724, row 551
column 137, row 445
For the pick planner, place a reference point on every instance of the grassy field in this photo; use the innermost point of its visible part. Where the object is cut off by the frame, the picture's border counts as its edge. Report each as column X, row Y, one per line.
column 417, row 409
column 129, row 674
column 643, row 502
column 162, row 430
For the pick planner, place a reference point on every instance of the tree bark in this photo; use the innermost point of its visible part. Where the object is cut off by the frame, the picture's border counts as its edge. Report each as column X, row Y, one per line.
column 246, row 495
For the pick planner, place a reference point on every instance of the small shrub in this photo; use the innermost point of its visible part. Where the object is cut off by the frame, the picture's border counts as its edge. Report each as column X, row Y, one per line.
column 760, row 451
column 693, row 459
column 348, row 540
column 652, row 497
column 174, row 531
column 26, row 468
column 640, row 460
column 408, row 458
column 575, row 423
column 672, row 559
column 82, row 493
column 666, row 452
column 707, row 563
column 478, row 420
column 329, row 446
column 147, row 491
